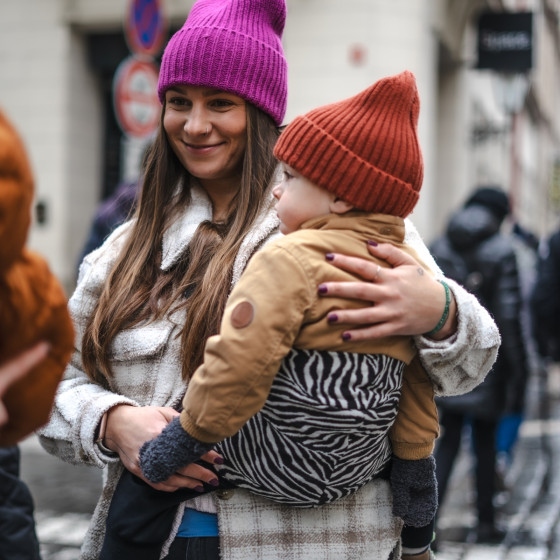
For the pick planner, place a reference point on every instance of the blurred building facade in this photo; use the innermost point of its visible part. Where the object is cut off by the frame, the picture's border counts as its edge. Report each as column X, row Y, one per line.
column 58, row 59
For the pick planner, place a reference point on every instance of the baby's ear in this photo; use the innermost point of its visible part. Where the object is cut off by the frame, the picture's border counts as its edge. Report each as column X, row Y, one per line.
column 339, row 206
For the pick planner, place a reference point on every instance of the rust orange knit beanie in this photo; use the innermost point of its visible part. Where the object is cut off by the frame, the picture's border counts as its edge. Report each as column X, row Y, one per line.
column 364, row 149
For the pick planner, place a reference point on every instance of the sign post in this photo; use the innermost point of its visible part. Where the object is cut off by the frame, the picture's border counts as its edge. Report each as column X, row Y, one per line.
column 145, row 27
column 135, row 100
column 505, row 45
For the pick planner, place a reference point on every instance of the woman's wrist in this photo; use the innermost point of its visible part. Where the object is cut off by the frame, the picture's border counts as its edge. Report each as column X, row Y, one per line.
column 447, row 325
column 105, row 444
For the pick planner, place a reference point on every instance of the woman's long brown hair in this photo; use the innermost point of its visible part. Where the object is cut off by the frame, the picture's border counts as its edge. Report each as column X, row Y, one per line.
column 138, row 290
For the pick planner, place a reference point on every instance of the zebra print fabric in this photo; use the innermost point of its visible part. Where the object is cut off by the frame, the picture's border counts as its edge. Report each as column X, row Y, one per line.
column 323, row 432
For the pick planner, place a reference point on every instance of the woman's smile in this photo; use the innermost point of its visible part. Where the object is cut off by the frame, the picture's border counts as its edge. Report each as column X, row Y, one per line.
column 203, row 149
column 207, row 130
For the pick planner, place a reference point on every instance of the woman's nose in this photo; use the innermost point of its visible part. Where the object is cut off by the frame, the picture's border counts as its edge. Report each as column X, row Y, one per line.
column 197, row 123
column 276, row 192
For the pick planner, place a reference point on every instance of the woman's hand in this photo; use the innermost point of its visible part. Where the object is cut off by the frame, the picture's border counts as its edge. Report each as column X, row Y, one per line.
column 16, row 368
column 405, row 299
column 129, row 427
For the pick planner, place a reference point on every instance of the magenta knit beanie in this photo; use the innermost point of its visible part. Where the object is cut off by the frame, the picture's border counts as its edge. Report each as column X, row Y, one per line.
column 232, row 45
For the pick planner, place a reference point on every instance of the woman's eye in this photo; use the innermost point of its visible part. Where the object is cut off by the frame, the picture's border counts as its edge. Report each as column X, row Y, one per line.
column 178, row 101
column 221, row 103
column 286, row 176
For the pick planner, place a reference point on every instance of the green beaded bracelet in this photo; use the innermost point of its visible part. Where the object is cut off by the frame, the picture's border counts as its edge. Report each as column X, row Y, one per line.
column 445, row 315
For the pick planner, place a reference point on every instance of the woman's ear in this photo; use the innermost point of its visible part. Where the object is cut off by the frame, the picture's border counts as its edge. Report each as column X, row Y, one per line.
column 339, row 206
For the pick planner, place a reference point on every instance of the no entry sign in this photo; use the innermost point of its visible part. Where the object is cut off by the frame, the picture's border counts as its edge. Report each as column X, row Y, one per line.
column 145, row 27
column 135, row 99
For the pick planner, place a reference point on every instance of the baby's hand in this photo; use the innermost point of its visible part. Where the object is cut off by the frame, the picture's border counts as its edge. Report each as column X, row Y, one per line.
column 172, row 449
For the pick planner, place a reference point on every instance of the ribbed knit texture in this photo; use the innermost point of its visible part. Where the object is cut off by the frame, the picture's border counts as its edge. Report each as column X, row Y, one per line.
column 364, row 149
column 232, row 45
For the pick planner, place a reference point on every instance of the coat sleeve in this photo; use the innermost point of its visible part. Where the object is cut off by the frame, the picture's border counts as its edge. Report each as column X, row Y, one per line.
column 459, row 363
column 506, row 310
column 79, row 402
column 545, row 299
column 263, row 316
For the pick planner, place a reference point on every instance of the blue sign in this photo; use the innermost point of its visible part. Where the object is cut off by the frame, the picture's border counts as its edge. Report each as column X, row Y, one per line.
column 145, row 27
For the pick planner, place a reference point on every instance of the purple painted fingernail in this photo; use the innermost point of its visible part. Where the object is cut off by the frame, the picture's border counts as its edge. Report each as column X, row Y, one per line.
column 329, row 257
column 214, row 482
column 219, row 461
column 373, row 243
column 332, row 318
column 198, row 488
column 346, row 336
column 322, row 289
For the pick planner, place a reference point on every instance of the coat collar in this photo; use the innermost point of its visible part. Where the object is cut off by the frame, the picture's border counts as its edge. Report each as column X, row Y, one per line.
column 178, row 236
column 383, row 227
column 264, row 230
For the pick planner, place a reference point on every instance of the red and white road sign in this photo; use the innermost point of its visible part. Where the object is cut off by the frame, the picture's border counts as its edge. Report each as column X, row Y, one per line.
column 135, row 99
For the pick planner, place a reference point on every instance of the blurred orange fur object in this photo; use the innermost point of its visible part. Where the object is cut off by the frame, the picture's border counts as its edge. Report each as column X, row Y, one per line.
column 33, row 305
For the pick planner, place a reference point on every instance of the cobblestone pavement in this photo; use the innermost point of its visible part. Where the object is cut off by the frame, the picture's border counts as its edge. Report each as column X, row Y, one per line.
column 529, row 510
column 65, row 496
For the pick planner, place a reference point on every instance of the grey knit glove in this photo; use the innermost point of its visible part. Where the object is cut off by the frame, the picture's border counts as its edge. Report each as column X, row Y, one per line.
column 414, row 487
column 172, row 449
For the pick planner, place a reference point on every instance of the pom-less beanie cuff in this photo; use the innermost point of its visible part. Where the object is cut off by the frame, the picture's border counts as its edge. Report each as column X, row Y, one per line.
column 231, row 45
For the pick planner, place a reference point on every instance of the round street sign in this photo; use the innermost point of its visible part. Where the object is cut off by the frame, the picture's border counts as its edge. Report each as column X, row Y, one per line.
column 145, row 27
column 135, row 99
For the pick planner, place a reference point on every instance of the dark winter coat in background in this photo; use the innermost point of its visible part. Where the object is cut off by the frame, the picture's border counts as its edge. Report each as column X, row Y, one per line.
column 474, row 253
column 546, row 298
column 18, row 540
column 110, row 214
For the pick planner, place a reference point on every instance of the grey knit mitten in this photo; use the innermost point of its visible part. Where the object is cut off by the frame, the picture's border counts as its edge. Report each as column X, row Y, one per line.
column 414, row 487
column 172, row 449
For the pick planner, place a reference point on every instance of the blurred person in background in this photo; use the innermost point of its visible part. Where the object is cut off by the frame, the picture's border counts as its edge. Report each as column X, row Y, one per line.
column 545, row 299
column 476, row 254
column 525, row 245
column 36, row 340
column 18, row 539
column 114, row 210
column 110, row 214
column 148, row 299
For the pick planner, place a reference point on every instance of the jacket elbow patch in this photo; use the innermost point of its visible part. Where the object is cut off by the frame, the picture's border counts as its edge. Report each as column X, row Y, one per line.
column 242, row 315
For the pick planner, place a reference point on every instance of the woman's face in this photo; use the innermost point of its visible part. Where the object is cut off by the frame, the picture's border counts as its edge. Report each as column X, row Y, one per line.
column 207, row 131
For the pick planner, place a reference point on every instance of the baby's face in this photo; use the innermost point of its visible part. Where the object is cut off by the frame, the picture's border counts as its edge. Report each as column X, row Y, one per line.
column 299, row 200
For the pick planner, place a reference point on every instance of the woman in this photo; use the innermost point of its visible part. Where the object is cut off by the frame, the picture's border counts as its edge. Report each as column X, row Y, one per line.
column 147, row 300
